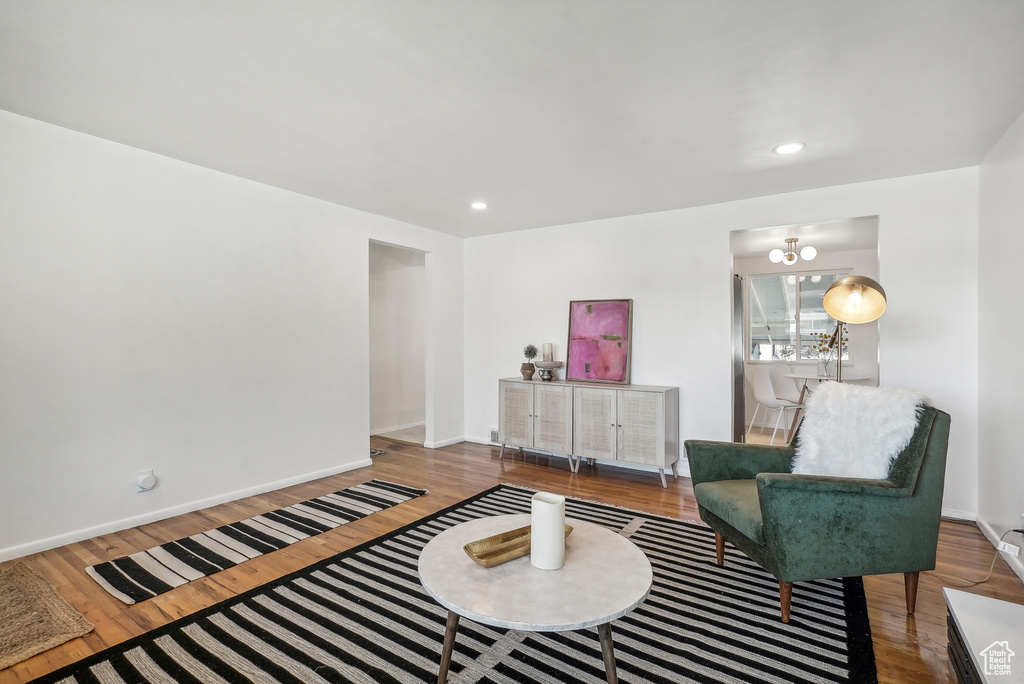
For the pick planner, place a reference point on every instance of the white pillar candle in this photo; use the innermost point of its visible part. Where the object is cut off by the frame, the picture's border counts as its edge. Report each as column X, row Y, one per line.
column 546, row 354
column 547, row 531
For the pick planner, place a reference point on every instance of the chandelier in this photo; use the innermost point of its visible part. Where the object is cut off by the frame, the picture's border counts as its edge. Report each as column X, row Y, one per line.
column 789, row 256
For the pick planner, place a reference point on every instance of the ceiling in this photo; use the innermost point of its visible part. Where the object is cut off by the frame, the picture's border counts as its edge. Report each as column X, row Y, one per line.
column 551, row 111
column 825, row 236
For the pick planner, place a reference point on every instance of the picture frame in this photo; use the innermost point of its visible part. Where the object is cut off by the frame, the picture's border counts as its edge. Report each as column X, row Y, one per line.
column 600, row 340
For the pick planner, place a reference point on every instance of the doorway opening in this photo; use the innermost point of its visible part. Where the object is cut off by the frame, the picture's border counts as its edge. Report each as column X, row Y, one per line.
column 397, row 343
column 779, row 323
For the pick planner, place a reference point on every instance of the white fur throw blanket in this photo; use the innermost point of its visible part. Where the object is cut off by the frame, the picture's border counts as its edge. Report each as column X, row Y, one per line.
column 855, row 431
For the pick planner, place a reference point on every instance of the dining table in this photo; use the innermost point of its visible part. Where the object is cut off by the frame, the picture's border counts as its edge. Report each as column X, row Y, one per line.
column 815, row 375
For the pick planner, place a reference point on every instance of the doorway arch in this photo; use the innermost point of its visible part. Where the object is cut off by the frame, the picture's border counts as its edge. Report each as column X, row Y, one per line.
column 397, row 331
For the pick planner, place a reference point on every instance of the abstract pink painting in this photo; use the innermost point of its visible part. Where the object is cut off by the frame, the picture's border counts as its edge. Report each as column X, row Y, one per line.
column 599, row 337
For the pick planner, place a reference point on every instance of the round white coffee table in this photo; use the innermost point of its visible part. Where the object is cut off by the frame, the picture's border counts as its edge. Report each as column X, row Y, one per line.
column 605, row 576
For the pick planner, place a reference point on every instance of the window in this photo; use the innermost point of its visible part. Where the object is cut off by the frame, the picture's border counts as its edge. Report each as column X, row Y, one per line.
column 787, row 319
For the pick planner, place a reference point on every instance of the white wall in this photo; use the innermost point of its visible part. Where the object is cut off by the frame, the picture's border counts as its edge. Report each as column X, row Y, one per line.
column 1001, row 327
column 676, row 267
column 154, row 314
column 397, row 347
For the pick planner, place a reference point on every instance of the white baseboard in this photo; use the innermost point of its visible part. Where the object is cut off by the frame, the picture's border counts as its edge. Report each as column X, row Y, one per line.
column 443, row 443
column 164, row 513
column 682, row 465
column 958, row 515
column 1013, row 561
column 395, row 428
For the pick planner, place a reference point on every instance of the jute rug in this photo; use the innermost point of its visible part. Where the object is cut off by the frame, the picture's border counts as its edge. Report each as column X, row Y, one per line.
column 362, row 616
column 148, row 573
column 33, row 616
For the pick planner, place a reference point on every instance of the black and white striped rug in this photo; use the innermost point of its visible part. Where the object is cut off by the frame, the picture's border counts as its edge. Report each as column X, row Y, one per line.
column 146, row 574
column 362, row 616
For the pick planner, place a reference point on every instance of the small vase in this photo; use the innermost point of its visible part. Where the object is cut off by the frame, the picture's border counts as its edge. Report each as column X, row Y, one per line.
column 527, row 369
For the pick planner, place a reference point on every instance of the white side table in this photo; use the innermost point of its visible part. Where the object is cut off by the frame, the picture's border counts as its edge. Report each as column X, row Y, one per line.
column 605, row 576
column 986, row 638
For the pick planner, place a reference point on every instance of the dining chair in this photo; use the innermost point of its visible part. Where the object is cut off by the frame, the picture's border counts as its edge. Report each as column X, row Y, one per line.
column 764, row 393
column 785, row 387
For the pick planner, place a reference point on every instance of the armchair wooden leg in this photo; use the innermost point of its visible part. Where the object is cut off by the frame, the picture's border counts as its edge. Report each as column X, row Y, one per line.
column 785, row 598
column 910, row 583
column 719, row 549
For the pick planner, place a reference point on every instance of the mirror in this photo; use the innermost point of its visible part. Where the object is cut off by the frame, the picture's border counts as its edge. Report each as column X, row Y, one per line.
column 781, row 325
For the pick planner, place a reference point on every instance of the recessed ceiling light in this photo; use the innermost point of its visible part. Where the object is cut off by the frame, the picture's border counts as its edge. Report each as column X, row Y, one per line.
column 479, row 205
column 789, row 148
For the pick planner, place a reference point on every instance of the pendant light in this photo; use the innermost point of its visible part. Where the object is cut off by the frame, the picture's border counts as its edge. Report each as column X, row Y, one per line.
column 789, row 256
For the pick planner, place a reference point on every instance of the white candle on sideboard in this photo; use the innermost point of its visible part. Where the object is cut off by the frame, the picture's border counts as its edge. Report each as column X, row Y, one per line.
column 547, row 531
column 546, row 354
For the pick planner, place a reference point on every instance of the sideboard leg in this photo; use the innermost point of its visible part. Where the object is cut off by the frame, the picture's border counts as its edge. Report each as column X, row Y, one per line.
column 502, row 452
column 664, row 483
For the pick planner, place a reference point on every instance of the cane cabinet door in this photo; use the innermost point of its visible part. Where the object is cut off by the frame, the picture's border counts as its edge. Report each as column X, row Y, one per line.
column 594, row 426
column 515, row 413
column 552, row 417
column 641, row 427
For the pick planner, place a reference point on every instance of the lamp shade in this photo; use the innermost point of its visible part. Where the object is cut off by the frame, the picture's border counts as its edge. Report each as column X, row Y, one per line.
column 854, row 299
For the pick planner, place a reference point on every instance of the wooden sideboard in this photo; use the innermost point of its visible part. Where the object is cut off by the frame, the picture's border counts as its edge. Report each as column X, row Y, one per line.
column 635, row 424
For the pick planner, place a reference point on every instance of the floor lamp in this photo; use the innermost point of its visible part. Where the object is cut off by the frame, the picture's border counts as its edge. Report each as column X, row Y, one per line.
column 852, row 299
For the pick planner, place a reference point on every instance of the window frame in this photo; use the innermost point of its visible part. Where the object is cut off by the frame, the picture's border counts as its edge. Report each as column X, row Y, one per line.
column 749, row 294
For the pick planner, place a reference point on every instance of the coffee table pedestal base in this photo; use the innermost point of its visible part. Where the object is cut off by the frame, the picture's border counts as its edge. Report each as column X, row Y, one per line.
column 452, row 626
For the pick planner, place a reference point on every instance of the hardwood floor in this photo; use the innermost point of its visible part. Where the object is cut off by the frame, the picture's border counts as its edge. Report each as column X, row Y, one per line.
column 907, row 649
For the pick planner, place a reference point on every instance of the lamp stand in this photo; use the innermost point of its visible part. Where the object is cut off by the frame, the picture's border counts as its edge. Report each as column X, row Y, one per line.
column 840, row 329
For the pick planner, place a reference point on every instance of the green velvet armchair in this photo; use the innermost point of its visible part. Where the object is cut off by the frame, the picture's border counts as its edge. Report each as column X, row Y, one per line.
column 805, row 527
